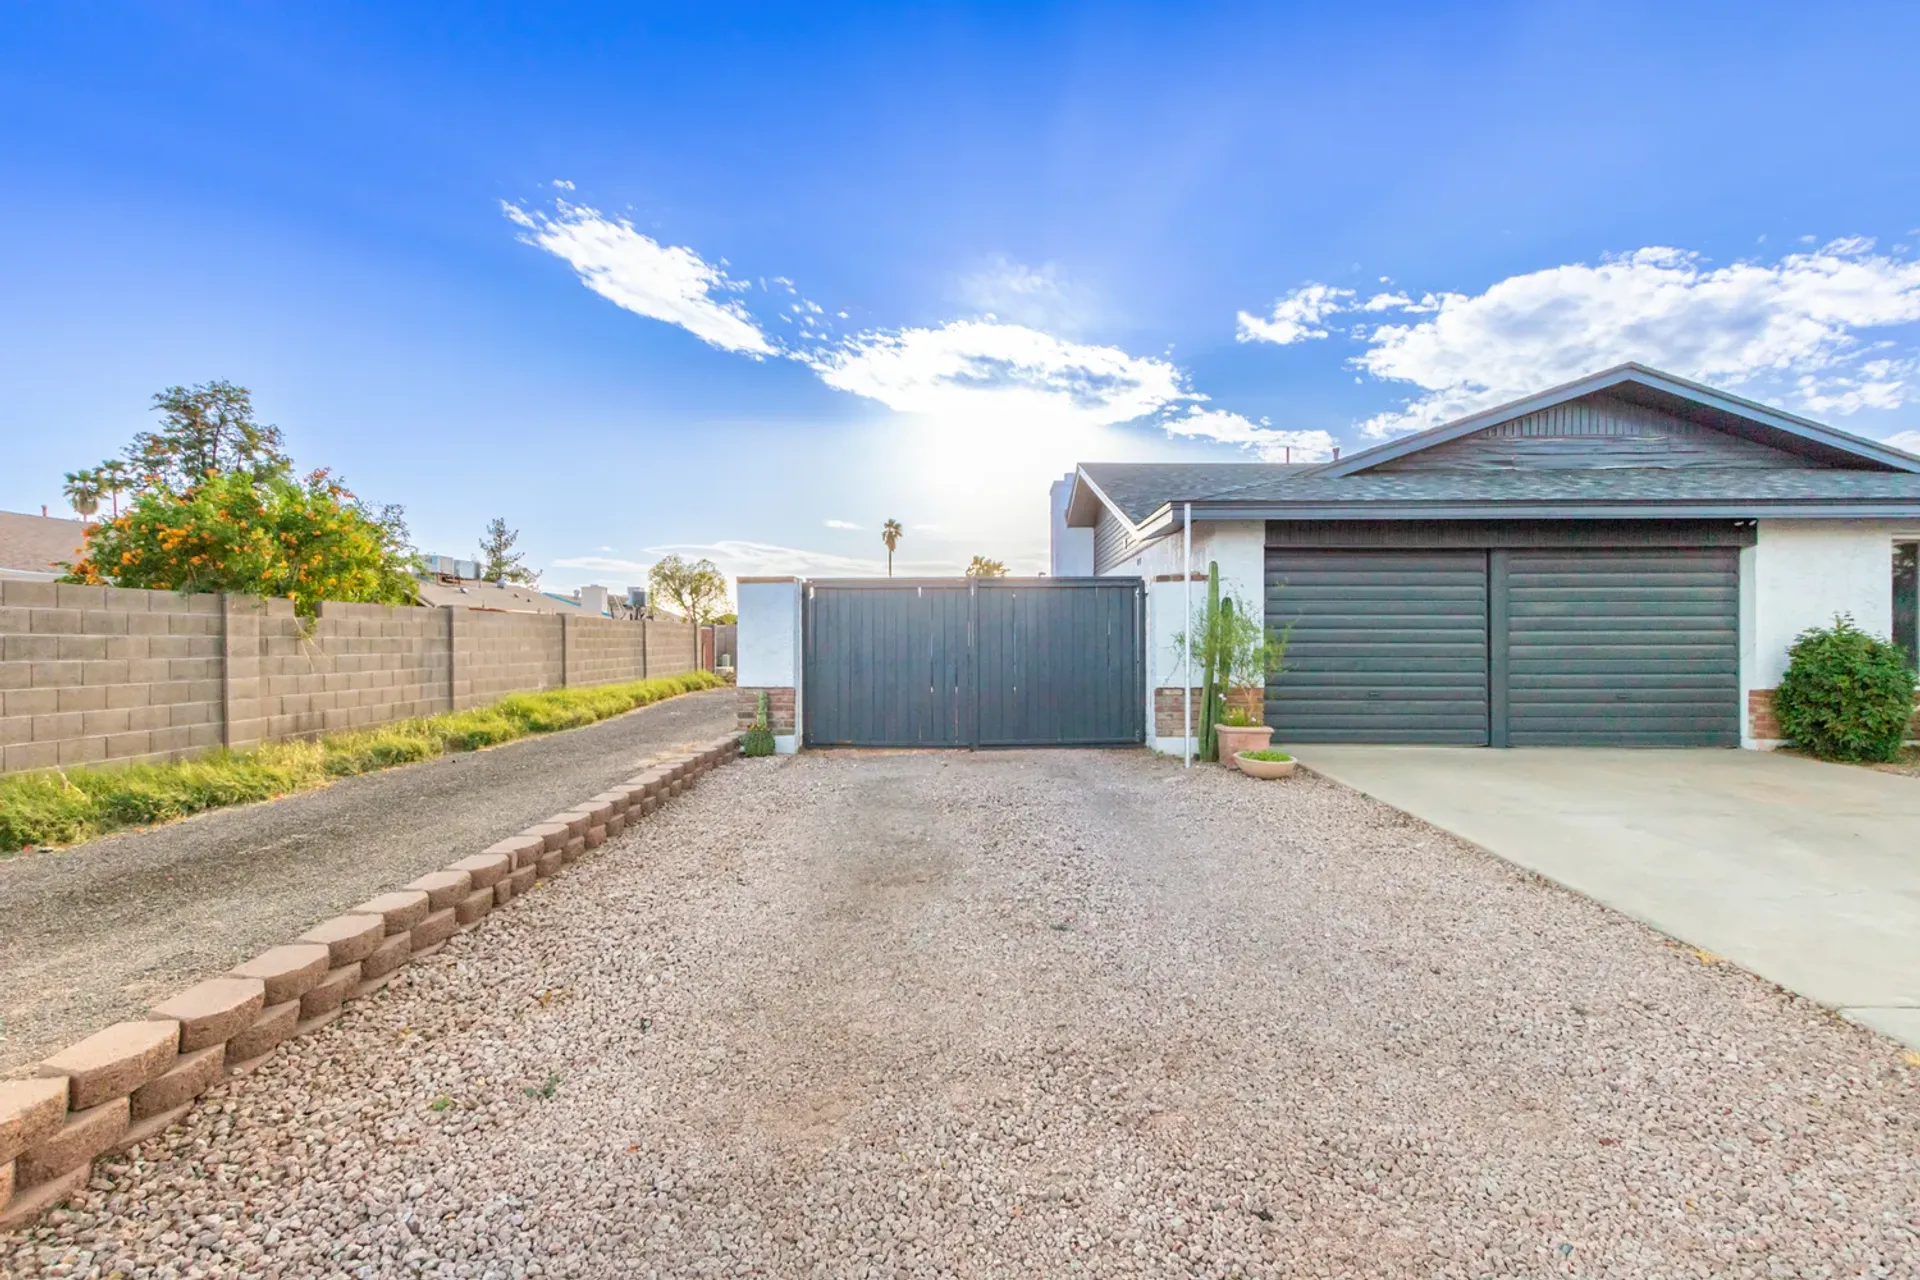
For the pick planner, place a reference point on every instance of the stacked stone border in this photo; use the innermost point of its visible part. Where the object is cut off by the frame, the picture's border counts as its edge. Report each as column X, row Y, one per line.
column 120, row 1086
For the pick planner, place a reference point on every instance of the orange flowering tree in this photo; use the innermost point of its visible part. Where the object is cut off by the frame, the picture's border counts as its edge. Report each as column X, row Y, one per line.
column 255, row 534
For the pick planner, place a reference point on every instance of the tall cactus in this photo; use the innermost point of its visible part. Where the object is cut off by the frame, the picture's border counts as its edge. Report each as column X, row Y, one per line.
column 1210, row 660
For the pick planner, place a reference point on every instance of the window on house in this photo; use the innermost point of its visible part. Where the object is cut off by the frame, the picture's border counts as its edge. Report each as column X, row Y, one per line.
column 1906, row 599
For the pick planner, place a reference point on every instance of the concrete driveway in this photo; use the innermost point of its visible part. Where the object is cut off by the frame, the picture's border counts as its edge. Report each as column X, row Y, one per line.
column 1807, row 874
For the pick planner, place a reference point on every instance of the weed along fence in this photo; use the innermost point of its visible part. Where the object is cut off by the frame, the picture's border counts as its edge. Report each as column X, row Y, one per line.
column 90, row 675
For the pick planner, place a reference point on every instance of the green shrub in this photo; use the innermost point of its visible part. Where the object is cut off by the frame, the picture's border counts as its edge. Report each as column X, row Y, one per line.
column 66, row 807
column 758, row 740
column 1846, row 695
column 1278, row 757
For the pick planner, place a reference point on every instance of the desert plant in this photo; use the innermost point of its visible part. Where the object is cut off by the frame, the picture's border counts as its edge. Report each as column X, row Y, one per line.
column 1233, row 649
column 1846, row 695
column 758, row 740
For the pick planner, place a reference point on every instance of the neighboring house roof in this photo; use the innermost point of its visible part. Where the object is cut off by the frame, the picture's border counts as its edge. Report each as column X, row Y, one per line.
column 1629, row 441
column 38, row 546
column 485, row 595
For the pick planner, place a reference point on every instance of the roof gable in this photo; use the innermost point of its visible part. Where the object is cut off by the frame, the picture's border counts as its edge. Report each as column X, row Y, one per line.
column 1627, row 417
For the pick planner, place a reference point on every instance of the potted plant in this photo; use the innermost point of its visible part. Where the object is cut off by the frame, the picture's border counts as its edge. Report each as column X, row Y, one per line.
column 1234, row 651
column 1265, row 764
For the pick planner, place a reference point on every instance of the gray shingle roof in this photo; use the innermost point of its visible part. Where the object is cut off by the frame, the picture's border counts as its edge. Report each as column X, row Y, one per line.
column 1140, row 489
column 38, row 544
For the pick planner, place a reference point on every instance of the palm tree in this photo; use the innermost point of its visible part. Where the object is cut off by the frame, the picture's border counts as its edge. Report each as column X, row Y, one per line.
column 890, row 534
column 83, row 491
column 115, row 479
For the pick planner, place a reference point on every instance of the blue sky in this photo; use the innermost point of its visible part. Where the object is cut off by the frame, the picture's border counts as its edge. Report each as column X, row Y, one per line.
column 727, row 280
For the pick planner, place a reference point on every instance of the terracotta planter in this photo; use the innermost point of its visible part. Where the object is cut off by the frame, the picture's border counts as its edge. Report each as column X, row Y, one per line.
column 1234, row 739
column 1265, row 768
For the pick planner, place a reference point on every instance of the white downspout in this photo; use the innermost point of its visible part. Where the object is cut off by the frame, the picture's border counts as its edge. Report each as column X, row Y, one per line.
column 1186, row 661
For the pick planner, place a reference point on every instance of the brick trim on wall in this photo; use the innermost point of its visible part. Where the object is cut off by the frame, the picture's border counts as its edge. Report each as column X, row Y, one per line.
column 1168, row 713
column 780, row 707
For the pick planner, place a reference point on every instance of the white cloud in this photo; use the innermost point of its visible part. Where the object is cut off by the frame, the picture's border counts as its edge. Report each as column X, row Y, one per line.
column 1008, row 372
column 1272, row 445
column 1038, row 297
column 561, row 184
column 840, row 524
column 1790, row 331
column 739, row 558
column 1908, row 440
column 1296, row 316
column 637, row 272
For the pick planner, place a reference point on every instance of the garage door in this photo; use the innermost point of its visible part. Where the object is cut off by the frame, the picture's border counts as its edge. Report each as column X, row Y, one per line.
column 1386, row 646
column 1617, row 648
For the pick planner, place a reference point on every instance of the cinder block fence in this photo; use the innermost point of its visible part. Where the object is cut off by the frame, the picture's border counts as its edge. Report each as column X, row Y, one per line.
column 96, row 674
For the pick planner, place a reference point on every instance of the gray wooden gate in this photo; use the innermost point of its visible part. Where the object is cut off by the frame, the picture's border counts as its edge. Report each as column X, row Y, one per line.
column 974, row 662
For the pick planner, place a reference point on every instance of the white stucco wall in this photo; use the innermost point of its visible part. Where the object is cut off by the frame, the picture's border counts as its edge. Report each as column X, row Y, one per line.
column 768, row 644
column 1240, row 548
column 1070, row 549
column 1799, row 574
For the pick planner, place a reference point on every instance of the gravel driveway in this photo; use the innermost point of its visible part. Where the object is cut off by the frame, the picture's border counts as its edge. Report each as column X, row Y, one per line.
column 99, row 932
column 1022, row 1013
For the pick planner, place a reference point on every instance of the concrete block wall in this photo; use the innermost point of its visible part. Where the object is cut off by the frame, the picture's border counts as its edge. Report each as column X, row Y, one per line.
column 92, row 675
column 121, row 1086
column 89, row 674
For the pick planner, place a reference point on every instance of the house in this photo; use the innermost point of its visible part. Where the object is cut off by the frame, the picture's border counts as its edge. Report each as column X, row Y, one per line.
column 38, row 547
column 1623, row 560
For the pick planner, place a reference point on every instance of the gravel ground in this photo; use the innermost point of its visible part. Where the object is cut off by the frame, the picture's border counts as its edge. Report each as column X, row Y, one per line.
column 1027, row 1014
column 98, row 932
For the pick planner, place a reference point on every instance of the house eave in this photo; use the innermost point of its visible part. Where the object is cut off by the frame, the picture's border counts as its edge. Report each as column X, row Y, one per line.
column 1805, row 431
column 1801, row 509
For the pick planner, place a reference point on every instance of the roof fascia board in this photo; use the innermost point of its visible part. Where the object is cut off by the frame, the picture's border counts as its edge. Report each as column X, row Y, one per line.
column 1891, row 509
column 1080, row 477
column 1800, row 428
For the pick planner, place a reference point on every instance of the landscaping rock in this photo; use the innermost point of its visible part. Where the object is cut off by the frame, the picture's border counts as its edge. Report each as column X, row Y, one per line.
column 212, row 1011
column 29, row 1203
column 154, row 1125
column 114, row 1062
column 288, row 972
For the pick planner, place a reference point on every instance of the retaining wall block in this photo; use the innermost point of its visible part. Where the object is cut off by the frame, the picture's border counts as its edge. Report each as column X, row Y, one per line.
column 290, row 971
column 213, row 1011
column 401, row 911
column 523, row 877
column 571, row 852
column 443, row 888
column 249, row 1047
column 80, row 1137
column 331, row 991
column 191, row 1075
column 550, row 834
column 391, row 954
column 598, row 810
column 576, row 822
column 503, row 892
column 549, row 864
column 111, row 1063
column 348, row 939
column 484, row 870
column 435, row 929
column 524, row 850
column 474, row 907
column 617, row 798
column 29, row 1203
column 29, row 1110
column 615, row 825
column 307, row 1026
column 596, row 836
column 6, row 1183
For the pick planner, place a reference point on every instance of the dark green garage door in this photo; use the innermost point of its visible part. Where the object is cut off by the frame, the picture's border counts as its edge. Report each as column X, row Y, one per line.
column 1574, row 647
column 1617, row 648
column 1386, row 646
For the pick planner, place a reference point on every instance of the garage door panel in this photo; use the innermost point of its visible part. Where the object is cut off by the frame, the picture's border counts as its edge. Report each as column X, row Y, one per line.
column 1622, row 648
column 1382, row 647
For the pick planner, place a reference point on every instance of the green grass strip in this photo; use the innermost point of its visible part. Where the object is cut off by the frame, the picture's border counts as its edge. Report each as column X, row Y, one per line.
column 69, row 806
